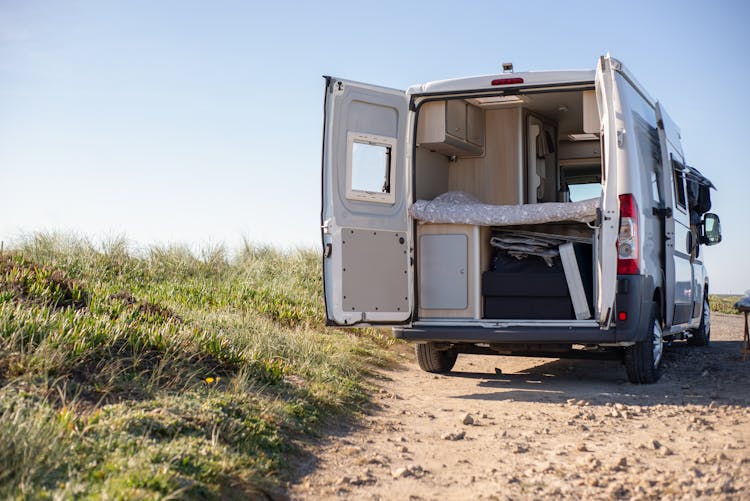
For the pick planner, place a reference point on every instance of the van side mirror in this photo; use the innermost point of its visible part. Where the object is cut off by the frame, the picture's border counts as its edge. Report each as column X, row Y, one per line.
column 710, row 229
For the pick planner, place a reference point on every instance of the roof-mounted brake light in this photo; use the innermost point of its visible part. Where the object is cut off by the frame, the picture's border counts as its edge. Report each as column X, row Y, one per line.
column 507, row 81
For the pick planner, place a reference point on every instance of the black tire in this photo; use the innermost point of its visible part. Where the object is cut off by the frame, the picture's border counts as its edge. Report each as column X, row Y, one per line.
column 431, row 359
column 702, row 335
column 643, row 359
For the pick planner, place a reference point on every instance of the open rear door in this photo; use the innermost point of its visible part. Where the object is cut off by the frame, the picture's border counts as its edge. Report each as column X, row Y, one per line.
column 608, row 101
column 364, row 219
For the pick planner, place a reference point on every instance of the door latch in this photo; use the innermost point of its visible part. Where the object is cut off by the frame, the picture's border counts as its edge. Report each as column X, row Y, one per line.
column 327, row 250
column 662, row 211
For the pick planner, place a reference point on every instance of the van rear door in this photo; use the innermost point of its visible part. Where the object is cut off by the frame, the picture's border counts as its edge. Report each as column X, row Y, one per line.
column 364, row 220
column 607, row 99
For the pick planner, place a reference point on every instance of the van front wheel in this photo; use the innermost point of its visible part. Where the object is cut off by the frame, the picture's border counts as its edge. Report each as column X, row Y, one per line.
column 702, row 335
column 431, row 359
column 643, row 359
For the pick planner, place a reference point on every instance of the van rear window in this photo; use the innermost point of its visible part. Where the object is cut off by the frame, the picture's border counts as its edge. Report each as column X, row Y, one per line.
column 370, row 168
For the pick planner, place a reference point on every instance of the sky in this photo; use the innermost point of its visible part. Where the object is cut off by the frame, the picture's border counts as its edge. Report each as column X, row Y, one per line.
column 200, row 122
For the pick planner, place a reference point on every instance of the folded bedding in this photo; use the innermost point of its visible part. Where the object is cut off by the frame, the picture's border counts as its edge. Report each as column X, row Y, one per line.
column 457, row 207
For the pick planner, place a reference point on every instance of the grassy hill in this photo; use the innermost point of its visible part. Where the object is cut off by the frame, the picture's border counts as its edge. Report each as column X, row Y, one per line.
column 142, row 377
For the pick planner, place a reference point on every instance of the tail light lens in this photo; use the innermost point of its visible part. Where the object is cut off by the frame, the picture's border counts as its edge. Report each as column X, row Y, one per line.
column 507, row 81
column 627, row 240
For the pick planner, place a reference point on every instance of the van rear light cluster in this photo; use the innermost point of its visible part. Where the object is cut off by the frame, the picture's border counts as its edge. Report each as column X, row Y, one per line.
column 507, row 81
column 627, row 239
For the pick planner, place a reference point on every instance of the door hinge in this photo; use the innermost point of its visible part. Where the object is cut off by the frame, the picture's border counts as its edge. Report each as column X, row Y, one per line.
column 662, row 211
column 620, row 138
column 325, row 226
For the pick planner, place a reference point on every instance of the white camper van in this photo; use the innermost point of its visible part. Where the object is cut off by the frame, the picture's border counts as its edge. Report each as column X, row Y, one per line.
column 543, row 213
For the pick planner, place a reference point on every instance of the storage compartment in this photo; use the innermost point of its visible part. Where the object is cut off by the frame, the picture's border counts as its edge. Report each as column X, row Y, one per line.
column 453, row 128
column 536, row 288
column 451, row 259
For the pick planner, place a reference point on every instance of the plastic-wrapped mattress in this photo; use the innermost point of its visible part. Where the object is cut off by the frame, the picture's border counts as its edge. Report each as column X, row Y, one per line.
column 457, row 207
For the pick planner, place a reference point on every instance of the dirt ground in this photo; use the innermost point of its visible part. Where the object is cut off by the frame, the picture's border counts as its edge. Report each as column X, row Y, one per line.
column 541, row 428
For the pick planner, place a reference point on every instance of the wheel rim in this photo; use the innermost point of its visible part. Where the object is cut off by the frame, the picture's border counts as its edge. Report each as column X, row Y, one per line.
column 658, row 341
column 706, row 317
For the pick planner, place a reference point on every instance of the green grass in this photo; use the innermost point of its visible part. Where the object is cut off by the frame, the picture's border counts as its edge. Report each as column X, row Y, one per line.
column 723, row 303
column 165, row 374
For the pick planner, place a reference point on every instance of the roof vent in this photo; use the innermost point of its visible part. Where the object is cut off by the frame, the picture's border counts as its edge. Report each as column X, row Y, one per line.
column 507, row 67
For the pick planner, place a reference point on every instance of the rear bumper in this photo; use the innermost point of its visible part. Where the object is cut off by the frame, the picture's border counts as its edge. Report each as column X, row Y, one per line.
column 512, row 334
column 634, row 296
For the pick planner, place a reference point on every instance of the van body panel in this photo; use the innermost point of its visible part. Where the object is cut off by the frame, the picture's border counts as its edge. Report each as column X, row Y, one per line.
column 364, row 220
column 530, row 78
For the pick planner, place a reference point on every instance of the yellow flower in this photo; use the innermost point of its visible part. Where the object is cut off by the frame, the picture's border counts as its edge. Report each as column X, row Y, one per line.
column 209, row 380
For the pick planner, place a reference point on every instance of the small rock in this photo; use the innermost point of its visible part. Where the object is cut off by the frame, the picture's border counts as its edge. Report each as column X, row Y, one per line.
column 619, row 407
column 456, row 435
column 666, row 451
column 468, row 419
column 618, row 491
column 655, row 444
column 401, row 472
column 498, row 370
column 727, row 486
column 520, row 448
column 582, row 447
column 571, row 401
column 620, row 464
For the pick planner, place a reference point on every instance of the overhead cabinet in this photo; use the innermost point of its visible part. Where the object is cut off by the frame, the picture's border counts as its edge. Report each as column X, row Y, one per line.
column 453, row 128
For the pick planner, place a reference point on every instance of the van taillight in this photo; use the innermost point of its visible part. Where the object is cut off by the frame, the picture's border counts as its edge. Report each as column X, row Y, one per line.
column 507, row 81
column 627, row 239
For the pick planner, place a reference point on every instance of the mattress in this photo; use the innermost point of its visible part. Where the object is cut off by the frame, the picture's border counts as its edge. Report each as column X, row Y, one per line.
column 457, row 207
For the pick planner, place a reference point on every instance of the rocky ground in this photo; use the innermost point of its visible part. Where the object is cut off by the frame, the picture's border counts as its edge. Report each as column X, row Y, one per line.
column 525, row 428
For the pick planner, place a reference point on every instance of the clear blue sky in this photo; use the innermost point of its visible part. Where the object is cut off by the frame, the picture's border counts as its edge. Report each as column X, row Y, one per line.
column 198, row 122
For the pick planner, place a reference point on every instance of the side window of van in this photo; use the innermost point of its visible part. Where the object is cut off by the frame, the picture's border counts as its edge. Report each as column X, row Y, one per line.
column 650, row 155
column 679, row 184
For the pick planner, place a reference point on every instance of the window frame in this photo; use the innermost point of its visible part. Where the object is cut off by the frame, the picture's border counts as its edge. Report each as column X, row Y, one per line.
column 388, row 197
column 678, row 172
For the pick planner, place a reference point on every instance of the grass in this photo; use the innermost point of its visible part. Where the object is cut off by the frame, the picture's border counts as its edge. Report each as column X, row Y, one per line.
column 723, row 303
column 165, row 374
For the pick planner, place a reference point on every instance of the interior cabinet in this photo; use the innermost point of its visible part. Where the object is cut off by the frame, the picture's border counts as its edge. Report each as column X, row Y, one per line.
column 451, row 259
column 452, row 127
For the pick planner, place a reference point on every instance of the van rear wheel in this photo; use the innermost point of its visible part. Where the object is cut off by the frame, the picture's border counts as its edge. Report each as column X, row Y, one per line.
column 431, row 359
column 643, row 359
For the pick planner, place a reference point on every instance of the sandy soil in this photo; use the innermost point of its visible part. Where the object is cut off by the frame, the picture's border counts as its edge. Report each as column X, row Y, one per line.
column 541, row 428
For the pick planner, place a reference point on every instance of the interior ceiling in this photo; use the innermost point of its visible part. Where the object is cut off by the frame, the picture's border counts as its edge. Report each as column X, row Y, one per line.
column 552, row 106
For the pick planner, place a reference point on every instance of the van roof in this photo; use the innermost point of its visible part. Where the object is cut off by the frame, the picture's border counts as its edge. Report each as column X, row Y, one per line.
column 484, row 82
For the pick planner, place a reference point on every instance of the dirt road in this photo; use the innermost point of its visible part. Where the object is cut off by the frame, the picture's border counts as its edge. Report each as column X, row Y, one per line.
column 544, row 428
